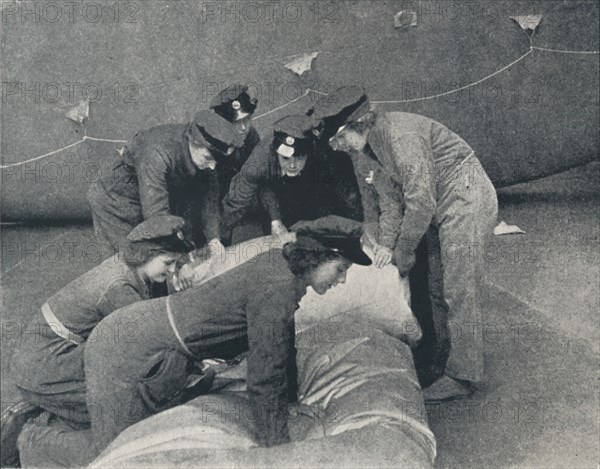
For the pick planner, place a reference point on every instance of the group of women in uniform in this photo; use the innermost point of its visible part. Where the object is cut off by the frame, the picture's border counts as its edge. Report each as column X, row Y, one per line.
column 178, row 187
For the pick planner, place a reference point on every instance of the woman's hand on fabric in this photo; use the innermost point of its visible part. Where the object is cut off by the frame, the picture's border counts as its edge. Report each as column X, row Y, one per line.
column 215, row 246
column 278, row 228
column 383, row 256
column 184, row 278
column 287, row 237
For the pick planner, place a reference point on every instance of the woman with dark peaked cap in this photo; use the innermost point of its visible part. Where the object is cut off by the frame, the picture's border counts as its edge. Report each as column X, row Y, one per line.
column 336, row 166
column 166, row 170
column 284, row 175
column 429, row 183
column 249, row 308
column 48, row 368
column 235, row 104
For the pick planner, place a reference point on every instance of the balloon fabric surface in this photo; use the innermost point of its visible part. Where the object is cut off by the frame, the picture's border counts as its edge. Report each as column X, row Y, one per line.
column 524, row 95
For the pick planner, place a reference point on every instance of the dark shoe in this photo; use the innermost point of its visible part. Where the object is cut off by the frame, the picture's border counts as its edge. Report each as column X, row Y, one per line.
column 11, row 424
column 447, row 389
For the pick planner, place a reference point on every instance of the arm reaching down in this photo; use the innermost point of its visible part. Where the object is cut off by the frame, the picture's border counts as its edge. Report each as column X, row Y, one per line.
column 413, row 168
column 270, row 316
column 245, row 189
column 152, row 179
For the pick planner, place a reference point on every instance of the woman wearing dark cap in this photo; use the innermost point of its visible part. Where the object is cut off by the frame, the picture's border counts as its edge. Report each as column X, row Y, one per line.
column 165, row 170
column 248, row 308
column 430, row 184
column 283, row 175
column 48, row 367
column 235, row 104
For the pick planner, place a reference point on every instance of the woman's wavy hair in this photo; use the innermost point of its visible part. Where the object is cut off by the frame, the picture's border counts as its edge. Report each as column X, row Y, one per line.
column 306, row 254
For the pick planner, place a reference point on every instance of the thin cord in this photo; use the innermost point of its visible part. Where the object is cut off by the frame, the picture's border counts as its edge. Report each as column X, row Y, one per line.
column 83, row 139
column 457, row 89
column 562, row 51
column 531, row 49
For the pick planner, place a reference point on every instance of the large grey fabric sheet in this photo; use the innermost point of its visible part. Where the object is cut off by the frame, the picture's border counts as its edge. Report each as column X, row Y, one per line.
column 360, row 406
column 370, row 295
column 360, row 400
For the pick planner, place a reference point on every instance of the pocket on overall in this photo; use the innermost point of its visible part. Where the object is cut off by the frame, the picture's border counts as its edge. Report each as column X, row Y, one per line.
column 164, row 381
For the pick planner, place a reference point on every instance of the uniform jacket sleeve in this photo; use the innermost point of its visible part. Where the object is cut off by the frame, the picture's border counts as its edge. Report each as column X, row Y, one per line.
column 412, row 166
column 152, row 172
column 390, row 205
column 250, row 143
column 368, row 196
column 270, row 202
column 244, row 189
column 270, row 315
column 252, row 140
column 208, row 201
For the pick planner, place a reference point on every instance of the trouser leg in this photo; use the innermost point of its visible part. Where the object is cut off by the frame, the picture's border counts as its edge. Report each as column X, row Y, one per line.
column 466, row 218
column 439, row 307
column 49, row 442
column 69, row 405
column 140, row 381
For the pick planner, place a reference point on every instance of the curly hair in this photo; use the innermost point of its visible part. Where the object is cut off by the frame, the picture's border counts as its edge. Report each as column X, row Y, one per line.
column 305, row 255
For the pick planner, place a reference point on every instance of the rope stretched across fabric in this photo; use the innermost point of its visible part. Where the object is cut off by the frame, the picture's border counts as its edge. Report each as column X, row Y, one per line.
column 83, row 139
column 309, row 90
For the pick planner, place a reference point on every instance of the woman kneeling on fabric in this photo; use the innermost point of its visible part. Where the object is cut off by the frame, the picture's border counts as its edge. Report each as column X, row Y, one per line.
column 48, row 367
column 249, row 308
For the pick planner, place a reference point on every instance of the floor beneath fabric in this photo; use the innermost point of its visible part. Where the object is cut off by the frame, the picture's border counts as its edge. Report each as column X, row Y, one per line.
column 539, row 405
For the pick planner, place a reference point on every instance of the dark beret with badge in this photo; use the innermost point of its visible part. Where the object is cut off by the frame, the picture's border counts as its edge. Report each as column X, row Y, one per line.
column 341, row 106
column 292, row 135
column 214, row 132
column 163, row 231
column 233, row 101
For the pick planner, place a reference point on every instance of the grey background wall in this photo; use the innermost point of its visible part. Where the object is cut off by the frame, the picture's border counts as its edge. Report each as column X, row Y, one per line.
column 142, row 63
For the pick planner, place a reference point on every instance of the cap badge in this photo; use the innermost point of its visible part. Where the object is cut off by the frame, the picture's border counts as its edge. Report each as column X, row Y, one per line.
column 369, row 178
column 180, row 235
column 236, row 105
column 285, row 150
column 290, row 140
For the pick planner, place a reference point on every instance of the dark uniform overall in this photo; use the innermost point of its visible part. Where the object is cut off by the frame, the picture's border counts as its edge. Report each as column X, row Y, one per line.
column 235, row 105
column 48, row 368
column 339, row 185
column 228, row 167
column 226, row 171
column 249, row 308
column 309, row 196
column 439, row 182
column 155, row 176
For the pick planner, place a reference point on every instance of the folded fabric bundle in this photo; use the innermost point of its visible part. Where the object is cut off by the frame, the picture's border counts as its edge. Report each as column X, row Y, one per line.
column 379, row 298
column 376, row 296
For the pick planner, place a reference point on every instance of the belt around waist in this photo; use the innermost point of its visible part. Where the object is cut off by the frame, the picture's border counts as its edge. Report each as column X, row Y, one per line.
column 58, row 327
